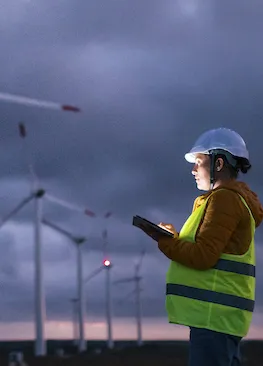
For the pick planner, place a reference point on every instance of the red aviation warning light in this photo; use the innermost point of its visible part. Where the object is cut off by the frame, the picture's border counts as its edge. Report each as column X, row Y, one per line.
column 106, row 263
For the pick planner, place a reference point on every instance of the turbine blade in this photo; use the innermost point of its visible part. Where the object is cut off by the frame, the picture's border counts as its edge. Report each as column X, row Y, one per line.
column 17, row 208
column 68, row 205
column 7, row 97
column 34, row 181
column 141, row 259
column 93, row 274
column 57, row 228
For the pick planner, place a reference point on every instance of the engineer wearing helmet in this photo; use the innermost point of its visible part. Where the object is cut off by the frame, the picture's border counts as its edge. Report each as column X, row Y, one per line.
column 211, row 279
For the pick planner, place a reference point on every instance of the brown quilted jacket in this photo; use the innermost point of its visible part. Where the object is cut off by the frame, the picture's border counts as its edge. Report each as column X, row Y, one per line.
column 225, row 227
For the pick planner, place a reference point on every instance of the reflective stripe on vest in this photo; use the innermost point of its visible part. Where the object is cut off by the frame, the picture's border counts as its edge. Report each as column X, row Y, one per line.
column 210, row 296
column 236, row 267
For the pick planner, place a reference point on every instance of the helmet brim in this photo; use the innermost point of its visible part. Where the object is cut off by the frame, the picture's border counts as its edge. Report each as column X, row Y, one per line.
column 191, row 155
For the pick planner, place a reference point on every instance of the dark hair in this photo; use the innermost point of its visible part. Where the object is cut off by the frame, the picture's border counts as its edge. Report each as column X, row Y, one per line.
column 242, row 164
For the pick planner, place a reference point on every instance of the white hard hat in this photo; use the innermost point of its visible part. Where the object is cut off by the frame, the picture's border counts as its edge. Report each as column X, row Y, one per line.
column 218, row 139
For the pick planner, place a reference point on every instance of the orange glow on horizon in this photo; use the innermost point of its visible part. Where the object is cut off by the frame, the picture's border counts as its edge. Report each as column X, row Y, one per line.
column 96, row 329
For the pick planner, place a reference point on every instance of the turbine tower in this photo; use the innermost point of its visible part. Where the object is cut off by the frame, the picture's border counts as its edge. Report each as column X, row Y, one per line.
column 137, row 291
column 78, row 241
column 107, row 266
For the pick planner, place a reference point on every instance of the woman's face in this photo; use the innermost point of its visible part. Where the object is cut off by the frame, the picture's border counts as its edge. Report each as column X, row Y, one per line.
column 201, row 172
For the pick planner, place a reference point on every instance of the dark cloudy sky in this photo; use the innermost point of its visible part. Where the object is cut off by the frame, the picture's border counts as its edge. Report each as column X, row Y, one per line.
column 149, row 76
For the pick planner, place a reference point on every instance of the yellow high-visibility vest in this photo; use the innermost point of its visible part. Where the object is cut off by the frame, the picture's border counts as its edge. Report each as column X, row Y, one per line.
column 221, row 298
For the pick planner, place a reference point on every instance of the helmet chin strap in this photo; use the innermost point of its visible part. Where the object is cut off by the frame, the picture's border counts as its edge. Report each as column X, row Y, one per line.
column 212, row 170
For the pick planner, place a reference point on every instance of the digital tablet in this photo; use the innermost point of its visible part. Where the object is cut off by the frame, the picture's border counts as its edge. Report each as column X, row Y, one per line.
column 142, row 223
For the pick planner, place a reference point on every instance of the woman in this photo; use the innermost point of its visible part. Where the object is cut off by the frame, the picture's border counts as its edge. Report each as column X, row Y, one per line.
column 211, row 279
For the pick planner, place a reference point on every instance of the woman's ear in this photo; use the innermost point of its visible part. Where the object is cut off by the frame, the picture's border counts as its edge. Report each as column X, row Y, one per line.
column 219, row 164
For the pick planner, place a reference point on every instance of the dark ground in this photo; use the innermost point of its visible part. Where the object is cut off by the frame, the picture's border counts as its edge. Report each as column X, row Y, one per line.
column 159, row 353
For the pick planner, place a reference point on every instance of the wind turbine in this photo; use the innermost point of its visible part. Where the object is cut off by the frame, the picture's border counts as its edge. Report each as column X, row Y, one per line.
column 36, row 193
column 40, row 310
column 40, row 307
column 78, row 241
column 137, row 291
column 107, row 265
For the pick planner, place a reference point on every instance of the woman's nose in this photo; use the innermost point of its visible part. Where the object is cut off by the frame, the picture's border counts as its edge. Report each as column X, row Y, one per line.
column 194, row 169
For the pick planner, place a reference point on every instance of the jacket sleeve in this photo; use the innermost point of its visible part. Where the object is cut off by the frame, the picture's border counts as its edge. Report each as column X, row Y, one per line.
column 220, row 220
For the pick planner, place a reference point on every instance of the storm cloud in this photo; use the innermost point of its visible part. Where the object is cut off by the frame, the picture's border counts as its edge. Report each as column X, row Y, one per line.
column 149, row 77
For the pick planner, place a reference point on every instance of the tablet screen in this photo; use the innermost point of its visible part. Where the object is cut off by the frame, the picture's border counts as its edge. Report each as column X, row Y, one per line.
column 141, row 222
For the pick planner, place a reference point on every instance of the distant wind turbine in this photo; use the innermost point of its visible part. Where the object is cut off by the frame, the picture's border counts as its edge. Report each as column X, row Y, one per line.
column 40, row 307
column 136, row 279
column 107, row 266
column 37, row 194
column 78, row 241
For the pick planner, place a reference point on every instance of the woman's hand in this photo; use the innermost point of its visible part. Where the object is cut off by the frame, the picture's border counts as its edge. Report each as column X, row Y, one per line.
column 169, row 227
column 154, row 235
